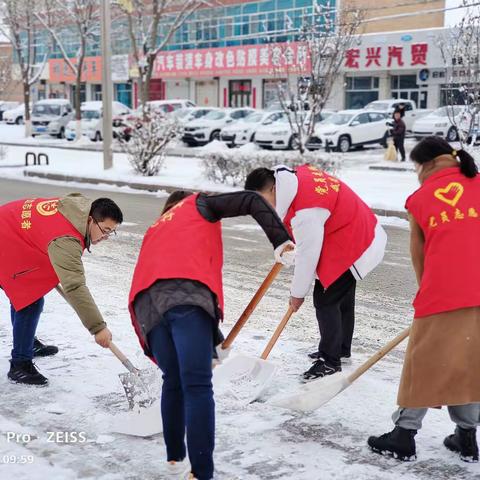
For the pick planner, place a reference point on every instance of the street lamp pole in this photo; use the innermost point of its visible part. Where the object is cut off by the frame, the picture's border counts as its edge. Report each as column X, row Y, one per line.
column 107, row 93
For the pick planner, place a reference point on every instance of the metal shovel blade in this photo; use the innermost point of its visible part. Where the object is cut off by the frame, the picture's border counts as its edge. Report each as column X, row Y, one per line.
column 243, row 377
column 141, row 422
column 141, row 387
column 312, row 395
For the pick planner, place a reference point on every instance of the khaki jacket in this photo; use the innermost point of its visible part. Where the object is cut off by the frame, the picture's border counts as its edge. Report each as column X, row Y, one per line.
column 65, row 254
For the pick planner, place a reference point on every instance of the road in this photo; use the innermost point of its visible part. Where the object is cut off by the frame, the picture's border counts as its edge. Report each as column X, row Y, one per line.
column 253, row 441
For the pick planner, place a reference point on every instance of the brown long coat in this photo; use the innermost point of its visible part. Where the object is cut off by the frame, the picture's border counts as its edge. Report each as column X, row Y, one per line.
column 442, row 361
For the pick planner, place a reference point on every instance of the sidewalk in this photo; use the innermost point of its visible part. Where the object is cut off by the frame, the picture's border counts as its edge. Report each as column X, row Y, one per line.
column 383, row 186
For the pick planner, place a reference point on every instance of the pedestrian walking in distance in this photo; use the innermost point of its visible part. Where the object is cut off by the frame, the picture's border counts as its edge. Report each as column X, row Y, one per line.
column 398, row 133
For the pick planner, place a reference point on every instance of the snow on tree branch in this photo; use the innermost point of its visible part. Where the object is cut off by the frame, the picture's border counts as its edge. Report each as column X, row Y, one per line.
column 324, row 38
column 460, row 48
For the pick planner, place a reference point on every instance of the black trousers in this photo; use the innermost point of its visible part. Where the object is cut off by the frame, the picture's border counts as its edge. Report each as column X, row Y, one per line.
column 335, row 309
column 399, row 145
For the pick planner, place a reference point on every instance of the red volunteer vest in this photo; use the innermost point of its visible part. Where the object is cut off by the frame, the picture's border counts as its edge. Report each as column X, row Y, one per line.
column 26, row 229
column 349, row 230
column 180, row 244
column 447, row 208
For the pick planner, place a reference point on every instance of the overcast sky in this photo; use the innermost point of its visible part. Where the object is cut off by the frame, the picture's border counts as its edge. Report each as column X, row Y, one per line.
column 454, row 16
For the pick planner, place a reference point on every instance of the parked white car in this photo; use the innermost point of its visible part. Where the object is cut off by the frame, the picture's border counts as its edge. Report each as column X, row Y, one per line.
column 280, row 135
column 185, row 115
column 6, row 106
column 350, row 128
column 412, row 113
column 166, row 106
column 92, row 120
column 207, row 128
column 439, row 123
column 51, row 117
column 243, row 131
column 15, row 115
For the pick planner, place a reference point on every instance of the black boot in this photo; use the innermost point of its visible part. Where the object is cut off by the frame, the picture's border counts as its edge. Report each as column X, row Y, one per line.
column 321, row 368
column 463, row 441
column 42, row 350
column 400, row 443
column 24, row 371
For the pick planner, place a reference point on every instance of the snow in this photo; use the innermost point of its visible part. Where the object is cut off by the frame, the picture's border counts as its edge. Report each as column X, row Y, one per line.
column 380, row 189
column 213, row 147
column 254, row 441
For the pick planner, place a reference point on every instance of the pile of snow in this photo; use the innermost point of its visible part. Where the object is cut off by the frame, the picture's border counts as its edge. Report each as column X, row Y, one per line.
column 213, row 146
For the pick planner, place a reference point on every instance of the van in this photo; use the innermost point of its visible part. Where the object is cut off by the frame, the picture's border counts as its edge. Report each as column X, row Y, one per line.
column 50, row 117
column 92, row 120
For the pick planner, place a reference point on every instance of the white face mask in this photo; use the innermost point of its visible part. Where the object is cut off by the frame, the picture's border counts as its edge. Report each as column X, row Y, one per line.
column 418, row 169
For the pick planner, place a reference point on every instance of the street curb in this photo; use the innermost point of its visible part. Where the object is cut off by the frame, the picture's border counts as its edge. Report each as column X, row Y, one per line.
column 97, row 181
column 98, row 149
column 390, row 169
column 156, row 188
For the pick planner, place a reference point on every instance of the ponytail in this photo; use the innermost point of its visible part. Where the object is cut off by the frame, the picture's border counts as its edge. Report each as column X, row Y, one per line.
column 467, row 163
column 432, row 147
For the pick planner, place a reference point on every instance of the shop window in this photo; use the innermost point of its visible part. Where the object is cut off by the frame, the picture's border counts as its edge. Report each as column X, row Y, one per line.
column 97, row 92
column 270, row 92
column 451, row 95
column 399, row 82
column 360, row 91
column 240, row 93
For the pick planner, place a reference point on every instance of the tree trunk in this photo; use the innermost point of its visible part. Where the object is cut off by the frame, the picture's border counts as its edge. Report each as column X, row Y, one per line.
column 26, row 99
column 78, row 111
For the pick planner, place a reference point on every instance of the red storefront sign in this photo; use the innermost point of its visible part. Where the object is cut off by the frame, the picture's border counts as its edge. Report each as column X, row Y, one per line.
column 242, row 60
column 386, row 57
column 61, row 72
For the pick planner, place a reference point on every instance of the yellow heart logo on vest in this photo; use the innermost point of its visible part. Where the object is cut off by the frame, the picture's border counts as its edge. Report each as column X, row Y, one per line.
column 445, row 194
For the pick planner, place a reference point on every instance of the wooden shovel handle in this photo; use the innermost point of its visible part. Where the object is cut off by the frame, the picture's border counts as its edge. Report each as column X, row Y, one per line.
column 122, row 357
column 277, row 334
column 379, row 355
column 252, row 305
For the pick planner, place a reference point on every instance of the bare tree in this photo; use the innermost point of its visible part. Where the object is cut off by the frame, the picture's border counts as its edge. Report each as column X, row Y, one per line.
column 6, row 76
column 18, row 25
column 324, row 38
column 59, row 16
column 147, row 143
column 151, row 25
column 460, row 48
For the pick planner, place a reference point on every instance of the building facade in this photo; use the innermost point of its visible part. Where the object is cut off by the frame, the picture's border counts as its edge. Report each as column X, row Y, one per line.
column 226, row 56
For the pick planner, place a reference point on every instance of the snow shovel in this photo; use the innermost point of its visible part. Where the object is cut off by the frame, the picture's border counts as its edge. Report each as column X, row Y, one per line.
column 313, row 395
column 140, row 385
column 137, row 383
column 251, row 306
column 246, row 377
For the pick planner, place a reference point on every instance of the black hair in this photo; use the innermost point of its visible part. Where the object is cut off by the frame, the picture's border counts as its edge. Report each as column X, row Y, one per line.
column 103, row 208
column 174, row 198
column 260, row 179
column 432, row 147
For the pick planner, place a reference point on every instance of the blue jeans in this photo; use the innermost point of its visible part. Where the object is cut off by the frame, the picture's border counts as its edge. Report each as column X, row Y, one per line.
column 182, row 346
column 24, row 324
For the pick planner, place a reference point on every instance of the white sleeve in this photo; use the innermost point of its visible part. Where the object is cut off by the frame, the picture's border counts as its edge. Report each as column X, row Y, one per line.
column 308, row 230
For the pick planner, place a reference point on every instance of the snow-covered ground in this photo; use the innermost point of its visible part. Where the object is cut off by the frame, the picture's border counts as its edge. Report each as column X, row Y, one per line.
column 255, row 441
column 380, row 189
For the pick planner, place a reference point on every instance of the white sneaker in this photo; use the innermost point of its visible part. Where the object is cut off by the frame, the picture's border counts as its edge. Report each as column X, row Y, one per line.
column 189, row 476
column 176, row 470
